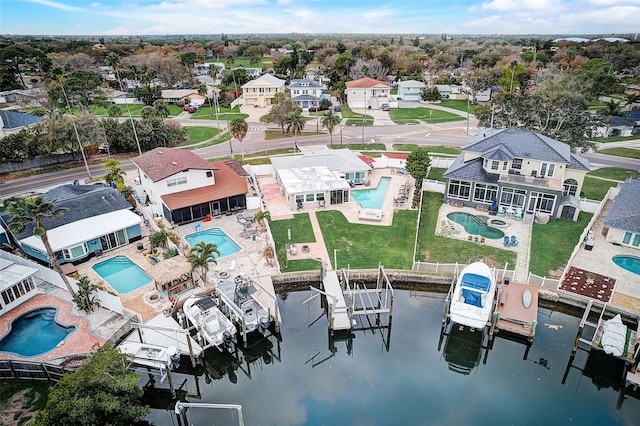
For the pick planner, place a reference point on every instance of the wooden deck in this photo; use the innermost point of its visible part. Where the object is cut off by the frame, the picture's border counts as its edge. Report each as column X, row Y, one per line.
column 514, row 317
column 633, row 338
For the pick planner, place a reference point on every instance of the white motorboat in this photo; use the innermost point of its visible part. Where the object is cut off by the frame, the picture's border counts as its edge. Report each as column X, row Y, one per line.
column 472, row 300
column 244, row 307
column 212, row 325
column 154, row 356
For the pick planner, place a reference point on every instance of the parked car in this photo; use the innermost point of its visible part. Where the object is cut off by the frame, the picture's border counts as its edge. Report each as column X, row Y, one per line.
column 190, row 109
column 385, row 107
column 337, row 108
column 186, row 107
column 103, row 147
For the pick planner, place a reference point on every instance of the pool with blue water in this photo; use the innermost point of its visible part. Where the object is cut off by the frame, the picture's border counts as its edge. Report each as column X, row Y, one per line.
column 35, row 333
column 475, row 225
column 372, row 198
column 122, row 273
column 630, row 263
column 217, row 236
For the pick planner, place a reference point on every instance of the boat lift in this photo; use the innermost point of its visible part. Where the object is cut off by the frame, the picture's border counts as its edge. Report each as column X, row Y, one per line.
column 182, row 408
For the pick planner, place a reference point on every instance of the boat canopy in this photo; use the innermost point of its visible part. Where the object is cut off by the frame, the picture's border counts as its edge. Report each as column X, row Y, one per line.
column 205, row 303
column 476, row 282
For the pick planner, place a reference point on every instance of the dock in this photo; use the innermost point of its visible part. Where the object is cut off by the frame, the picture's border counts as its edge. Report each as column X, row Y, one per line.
column 165, row 331
column 512, row 316
column 339, row 318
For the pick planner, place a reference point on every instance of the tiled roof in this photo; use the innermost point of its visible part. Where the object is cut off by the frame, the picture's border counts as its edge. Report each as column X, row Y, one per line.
column 81, row 202
column 365, row 83
column 160, row 163
column 15, row 120
column 471, row 170
column 228, row 184
column 625, row 212
column 525, row 144
column 236, row 167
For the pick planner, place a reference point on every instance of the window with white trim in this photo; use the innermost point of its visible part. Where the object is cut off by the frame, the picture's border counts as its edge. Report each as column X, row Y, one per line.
column 512, row 197
column 459, row 189
column 570, row 187
column 495, row 165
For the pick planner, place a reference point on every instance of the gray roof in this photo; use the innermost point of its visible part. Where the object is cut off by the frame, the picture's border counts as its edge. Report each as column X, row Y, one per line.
column 305, row 82
column 625, row 212
column 341, row 160
column 411, row 83
column 471, row 170
column 15, row 120
column 81, row 201
column 500, row 153
column 527, row 144
column 304, row 98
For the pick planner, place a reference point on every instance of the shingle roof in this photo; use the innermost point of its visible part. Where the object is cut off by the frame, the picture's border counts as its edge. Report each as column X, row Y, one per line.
column 500, row 153
column 160, row 163
column 526, row 144
column 365, row 83
column 81, row 202
column 304, row 98
column 305, row 82
column 625, row 212
column 15, row 120
column 411, row 83
column 471, row 170
column 266, row 80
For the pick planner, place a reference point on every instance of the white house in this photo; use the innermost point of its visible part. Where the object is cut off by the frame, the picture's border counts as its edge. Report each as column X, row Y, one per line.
column 305, row 92
column 410, row 90
column 185, row 187
column 17, row 284
column 367, row 93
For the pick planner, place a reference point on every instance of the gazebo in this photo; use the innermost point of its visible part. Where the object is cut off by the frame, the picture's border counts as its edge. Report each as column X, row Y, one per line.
column 171, row 275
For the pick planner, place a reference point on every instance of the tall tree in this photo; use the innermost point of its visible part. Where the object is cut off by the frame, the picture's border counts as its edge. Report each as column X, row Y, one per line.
column 295, row 123
column 330, row 121
column 33, row 212
column 418, row 162
column 102, row 392
column 201, row 255
column 238, row 129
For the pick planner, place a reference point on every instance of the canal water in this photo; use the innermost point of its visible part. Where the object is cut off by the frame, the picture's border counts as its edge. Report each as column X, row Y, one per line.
column 402, row 376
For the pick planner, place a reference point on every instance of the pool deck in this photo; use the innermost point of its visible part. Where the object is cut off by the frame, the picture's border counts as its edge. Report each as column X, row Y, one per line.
column 80, row 341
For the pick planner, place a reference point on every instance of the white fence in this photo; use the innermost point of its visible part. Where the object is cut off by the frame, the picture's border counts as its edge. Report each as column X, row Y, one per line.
column 455, row 268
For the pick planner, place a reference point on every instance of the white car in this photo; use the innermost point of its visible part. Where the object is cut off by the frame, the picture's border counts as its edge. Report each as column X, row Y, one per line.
column 385, row 107
column 103, row 147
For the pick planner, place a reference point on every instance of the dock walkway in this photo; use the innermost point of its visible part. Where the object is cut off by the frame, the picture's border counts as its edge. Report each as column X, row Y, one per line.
column 339, row 314
column 513, row 317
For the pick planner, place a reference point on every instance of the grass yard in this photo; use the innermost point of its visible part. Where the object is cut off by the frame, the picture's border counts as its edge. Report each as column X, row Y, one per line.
column 432, row 248
column 360, row 146
column 359, row 122
column 301, row 232
column 201, row 134
column 460, row 105
column 616, row 139
column 437, row 173
column 21, row 399
column 617, row 173
column 364, row 246
column 439, row 149
column 596, row 189
column 553, row 243
column 621, row 152
column 427, row 115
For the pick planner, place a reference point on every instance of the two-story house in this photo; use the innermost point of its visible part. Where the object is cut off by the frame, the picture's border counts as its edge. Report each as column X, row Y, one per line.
column 410, row 90
column 367, row 93
column 518, row 169
column 96, row 219
column 261, row 91
column 185, row 187
column 623, row 221
column 305, row 92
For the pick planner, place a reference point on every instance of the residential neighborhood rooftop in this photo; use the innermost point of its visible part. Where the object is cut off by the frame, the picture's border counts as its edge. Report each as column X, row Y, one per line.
column 160, row 163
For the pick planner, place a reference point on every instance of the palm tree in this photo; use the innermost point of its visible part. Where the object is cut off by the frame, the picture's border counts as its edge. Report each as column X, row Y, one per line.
column 85, row 299
column 36, row 210
column 200, row 255
column 238, row 130
column 162, row 109
column 612, row 109
column 261, row 216
column 330, row 121
column 295, row 123
column 159, row 239
column 114, row 173
column 513, row 66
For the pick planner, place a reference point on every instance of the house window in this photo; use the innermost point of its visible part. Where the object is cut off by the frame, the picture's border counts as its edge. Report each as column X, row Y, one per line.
column 570, row 187
column 320, row 196
column 516, row 164
column 486, row 163
column 552, row 168
column 631, row 239
column 543, row 169
column 209, row 173
column 177, row 181
column 484, row 193
column 310, row 197
column 512, row 197
column 299, row 198
column 504, row 165
column 494, row 165
column 459, row 189
column 75, row 252
column 261, row 90
column 540, row 202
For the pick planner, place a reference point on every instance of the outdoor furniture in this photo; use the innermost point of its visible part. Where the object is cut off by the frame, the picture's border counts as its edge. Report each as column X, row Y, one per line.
column 321, row 203
column 514, row 241
column 510, row 212
column 501, row 211
column 517, row 214
column 299, row 205
column 506, row 241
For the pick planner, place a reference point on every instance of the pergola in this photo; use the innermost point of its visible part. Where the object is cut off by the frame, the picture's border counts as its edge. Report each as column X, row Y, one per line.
column 171, row 275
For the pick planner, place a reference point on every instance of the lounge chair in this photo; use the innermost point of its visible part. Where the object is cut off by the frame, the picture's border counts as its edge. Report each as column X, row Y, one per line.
column 514, row 241
column 506, row 241
column 321, row 203
column 518, row 214
column 501, row 211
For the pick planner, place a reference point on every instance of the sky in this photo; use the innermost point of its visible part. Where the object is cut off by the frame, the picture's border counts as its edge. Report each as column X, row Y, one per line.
column 159, row 17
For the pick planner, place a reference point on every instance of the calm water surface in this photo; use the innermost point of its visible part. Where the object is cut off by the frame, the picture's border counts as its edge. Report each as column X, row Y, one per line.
column 411, row 383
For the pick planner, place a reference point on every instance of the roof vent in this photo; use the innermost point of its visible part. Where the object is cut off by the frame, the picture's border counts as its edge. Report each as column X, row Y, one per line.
column 174, row 163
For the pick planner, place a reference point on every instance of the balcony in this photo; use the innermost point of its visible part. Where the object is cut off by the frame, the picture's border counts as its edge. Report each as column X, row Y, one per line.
column 553, row 184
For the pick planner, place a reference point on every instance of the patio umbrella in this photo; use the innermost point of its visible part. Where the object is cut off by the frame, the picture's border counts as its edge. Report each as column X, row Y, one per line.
column 494, row 203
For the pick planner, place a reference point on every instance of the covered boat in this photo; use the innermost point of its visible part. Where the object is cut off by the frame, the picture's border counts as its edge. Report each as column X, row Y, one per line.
column 239, row 297
column 212, row 325
column 472, row 300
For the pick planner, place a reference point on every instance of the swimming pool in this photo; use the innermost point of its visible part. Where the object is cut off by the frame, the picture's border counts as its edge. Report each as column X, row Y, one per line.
column 35, row 333
column 475, row 225
column 217, row 236
column 630, row 263
column 372, row 198
column 122, row 274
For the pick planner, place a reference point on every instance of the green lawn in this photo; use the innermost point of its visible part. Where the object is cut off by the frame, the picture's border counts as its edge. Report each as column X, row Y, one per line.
column 200, row 134
column 359, row 122
column 616, row 173
column 596, row 189
column 437, row 174
column 427, row 115
column 34, row 398
column 364, row 246
column 135, row 110
column 553, row 243
column 460, row 105
column 348, row 113
column 440, row 149
column 432, row 248
column 270, row 135
column 360, row 147
column 616, row 139
column 301, row 232
column 621, row 152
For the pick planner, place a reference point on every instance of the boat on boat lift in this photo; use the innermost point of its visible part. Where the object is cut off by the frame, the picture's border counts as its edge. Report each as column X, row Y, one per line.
column 472, row 300
column 239, row 301
column 211, row 324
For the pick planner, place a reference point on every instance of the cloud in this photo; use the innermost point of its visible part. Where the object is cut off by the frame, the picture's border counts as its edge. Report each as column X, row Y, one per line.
column 58, row 5
column 520, row 5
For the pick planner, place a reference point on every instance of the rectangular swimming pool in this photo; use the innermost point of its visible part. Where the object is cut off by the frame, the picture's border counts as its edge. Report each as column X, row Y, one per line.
column 122, row 273
column 217, row 236
column 372, row 198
